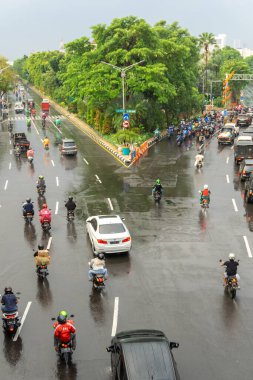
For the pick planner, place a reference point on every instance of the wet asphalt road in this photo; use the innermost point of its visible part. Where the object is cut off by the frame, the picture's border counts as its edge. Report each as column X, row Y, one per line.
column 170, row 281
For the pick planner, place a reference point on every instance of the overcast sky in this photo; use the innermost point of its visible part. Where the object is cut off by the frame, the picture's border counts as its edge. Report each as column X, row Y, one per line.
column 35, row 25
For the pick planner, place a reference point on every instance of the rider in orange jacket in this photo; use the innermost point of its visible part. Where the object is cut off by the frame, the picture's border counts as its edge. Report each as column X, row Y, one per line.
column 65, row 331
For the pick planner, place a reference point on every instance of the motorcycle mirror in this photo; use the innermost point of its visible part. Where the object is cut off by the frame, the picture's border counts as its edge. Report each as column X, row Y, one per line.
column 72, row 315
column 123, row 218
column 174, row 345
column 18, row 293
column 53, row 319
column 220, row 260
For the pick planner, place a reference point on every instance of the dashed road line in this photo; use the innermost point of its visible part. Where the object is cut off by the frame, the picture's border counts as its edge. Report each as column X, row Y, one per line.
column 247, row 246
column 85, row 161
column 49, row 242
column 22, row 321
column 57, row 181
column 10, row 142
column 110, row 203
column 56, row 208
column 227, row 161
column 227, row 178
column 234, row 204
column 99, row 180
column 52, row 162
column 10, row 151
column 6, row 184
column 10, row 166
column 36, row 129
column 232, row 147
column 115, row 316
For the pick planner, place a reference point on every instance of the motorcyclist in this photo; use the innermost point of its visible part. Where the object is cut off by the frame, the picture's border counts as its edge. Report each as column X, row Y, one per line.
column 157, row 133
column 44, row 116
column 28, row 207
column 30, row 153
column 199, row 159
column 41, row 257
column 17, row 150
column 45, row 214
column 58, row 122
column 65, row 331
column 41, row 182
column 33, row 112
column 97, row 266
column 205, row 194
column 28, row 121
column 46, row 142
column 157, row 187
column 70, row 204
column 231, row 268
column 9, row 301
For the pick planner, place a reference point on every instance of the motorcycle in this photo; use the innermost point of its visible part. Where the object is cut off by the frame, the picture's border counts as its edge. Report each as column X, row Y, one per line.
column 28, row 217
column 11, row 322
column 98, row 281
column 170, row 131
column 179, row 140
column 70, row 215
column 46, row 147
column 65, row 350
column 10, row 127
column 41, row 190
column 157, row 196
column 198, row 164
column 42, row 271
column 17, row 152
column 205, row 204
column 30, row 160
column 232, row 286
column 46, row 226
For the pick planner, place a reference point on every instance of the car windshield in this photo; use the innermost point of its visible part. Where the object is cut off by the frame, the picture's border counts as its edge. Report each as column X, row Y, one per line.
column 69, row 144
column 248, row 167
column 114, row 228
column 242, row 117
column 226, row 130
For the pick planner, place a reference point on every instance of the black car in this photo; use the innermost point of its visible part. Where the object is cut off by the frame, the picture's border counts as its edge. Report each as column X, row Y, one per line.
column 248, row 192
column 142, row 355
column 243, row 120
column 246, row 168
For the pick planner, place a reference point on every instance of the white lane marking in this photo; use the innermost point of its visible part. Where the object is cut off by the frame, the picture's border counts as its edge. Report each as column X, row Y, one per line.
column 41, row 140
column 99, row 180
column 6, row 184
column 52, row 161
column 115, row 316
column 10, row 151
column 227, row 160
column 86, row 161
column 227, row 177
column 10, row 142
column 35, row 128
column 234, row 204
column 10, row 166
column 247, row 246
column 49, row 242
column 57, row 181
column 22, row 321
column 110, row 203
column 56, row 208
column 50, row 119
column 232, row 147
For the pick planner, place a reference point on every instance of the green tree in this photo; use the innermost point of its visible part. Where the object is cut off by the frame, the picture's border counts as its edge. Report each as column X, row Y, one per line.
column 205, row 40
column 7, row 76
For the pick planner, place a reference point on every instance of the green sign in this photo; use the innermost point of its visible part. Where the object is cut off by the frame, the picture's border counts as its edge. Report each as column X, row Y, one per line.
column 120, row 110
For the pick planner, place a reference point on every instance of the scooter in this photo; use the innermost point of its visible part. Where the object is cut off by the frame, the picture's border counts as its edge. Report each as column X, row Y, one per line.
column 11, row 322
column 70, row 215
column 46, row 226
column 42, row 271
column 157, row 196
column 30, row 160
column 179, row 140
column 28, row 217
column 65, row 350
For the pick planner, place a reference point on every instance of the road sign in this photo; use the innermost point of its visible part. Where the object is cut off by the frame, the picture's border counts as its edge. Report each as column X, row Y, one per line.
column 120, row 110
column 126, row 116
column 131, row 111
column 242, row 98
column 125, row 123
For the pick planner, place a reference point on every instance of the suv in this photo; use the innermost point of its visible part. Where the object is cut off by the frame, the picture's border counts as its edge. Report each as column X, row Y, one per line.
column 246, row 169
column 68, row 147
column 136, row 354
column 248, row 192
column 243, row 120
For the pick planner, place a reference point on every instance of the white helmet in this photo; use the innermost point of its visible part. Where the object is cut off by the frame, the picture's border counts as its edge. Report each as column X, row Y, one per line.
column 206, row 187
column 231, row 256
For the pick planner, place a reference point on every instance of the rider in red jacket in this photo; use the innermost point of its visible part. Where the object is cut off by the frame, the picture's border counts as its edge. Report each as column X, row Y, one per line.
column 45, row 214
column 65, row 331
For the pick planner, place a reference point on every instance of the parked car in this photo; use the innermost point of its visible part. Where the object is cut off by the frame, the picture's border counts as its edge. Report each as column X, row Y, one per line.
column 143, row 355
column 68, row 147
column 108, row 234
column 19, row 108
column 246, row 168
column 248, row 192
column 243, row 120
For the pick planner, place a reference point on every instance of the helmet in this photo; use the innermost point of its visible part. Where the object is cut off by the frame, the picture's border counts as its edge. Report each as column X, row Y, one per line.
column 158, row 182
column 61, row 319
column 28, row 200
column 44, row 205
column 40, row 247
column 63, row 313
column 70, row 198
column 41, row 177
column 101, row 256
column 8, row 289
column 206, row 187
column 231, row 256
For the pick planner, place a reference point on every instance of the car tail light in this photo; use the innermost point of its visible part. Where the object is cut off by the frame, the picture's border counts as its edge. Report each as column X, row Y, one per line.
column 101, row 241
column 126, row 239
column 244, row 172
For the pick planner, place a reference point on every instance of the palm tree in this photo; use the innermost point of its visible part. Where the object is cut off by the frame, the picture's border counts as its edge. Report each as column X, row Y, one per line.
column 205, row 40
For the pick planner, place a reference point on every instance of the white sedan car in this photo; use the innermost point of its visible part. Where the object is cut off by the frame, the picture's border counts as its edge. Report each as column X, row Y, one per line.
column 108, row 234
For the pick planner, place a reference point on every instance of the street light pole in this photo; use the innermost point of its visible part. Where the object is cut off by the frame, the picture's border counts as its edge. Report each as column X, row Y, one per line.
column 123, row 71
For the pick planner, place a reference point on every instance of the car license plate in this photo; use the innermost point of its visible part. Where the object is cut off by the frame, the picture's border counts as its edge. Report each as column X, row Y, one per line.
column 114, row 242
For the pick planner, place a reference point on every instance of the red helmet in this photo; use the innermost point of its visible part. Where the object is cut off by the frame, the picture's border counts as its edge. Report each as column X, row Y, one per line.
column 44, row 205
